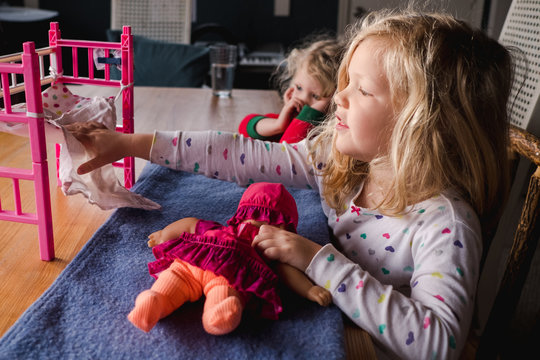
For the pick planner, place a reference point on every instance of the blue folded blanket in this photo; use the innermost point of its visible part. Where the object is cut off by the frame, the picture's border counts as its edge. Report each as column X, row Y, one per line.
column 83, row 314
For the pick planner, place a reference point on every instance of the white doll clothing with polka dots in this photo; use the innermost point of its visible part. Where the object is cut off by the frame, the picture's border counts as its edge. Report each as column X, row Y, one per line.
column 101, row 186
column 409, row 281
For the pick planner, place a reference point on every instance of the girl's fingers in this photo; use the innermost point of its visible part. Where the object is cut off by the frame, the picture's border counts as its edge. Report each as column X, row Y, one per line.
column 90, row 165
column 285, row 246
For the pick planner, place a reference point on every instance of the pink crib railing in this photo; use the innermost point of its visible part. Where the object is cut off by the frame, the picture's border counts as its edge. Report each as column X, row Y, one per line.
column 30, row 66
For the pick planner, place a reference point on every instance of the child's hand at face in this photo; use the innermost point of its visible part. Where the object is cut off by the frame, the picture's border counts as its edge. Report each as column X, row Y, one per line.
column 292, row 105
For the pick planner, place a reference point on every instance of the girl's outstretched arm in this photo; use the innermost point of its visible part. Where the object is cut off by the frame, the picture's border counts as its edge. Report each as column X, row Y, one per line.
column 107, row 146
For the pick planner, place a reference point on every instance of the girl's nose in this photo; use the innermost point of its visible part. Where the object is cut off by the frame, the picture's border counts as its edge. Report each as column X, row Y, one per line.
column 340, row 99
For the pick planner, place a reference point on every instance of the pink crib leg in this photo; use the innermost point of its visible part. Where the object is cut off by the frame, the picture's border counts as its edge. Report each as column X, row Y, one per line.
column 43, row 210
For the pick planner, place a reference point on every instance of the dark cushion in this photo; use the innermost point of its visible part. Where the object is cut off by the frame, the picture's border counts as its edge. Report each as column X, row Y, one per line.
column 158, row 63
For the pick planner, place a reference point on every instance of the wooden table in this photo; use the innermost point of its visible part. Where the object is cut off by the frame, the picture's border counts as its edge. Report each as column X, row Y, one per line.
column 24, row 277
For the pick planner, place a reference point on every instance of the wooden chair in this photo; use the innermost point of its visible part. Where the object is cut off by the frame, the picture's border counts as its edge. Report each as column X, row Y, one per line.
column 494, row 342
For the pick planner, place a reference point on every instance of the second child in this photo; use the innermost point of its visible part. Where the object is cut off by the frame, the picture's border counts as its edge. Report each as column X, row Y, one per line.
column 309, row 79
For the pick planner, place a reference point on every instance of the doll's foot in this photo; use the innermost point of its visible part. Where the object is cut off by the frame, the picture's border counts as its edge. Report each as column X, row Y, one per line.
column 224, row 317
column 147, row 310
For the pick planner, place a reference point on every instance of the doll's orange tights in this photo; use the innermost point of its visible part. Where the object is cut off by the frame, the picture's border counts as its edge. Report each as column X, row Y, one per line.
column 183, row 282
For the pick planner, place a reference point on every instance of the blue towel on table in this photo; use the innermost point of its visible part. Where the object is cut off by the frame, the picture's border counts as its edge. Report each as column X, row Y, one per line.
column 83, row 314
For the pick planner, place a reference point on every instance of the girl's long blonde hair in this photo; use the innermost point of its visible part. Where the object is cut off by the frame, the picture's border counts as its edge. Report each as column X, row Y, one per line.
column 450, row 85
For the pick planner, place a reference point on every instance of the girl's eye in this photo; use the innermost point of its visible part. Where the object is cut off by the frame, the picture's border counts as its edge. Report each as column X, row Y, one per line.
column 298, row 87
column 364, row 92
column 316, row 97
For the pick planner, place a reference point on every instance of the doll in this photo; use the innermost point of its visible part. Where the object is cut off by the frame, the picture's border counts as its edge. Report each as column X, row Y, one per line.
column 196, row 257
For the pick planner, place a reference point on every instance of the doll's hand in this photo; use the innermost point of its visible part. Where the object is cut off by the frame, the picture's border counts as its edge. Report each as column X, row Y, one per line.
column 157, row 238
column 285, row 246
column 319, row 295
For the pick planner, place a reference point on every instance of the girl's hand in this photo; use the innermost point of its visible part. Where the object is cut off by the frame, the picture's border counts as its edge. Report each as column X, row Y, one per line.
column 101, row 143
column 285, row 246
column 289, row 111
column 107, row 146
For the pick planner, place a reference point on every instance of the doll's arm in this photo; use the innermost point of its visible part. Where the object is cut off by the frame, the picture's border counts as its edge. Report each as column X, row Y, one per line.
column 300, row 283
column 173, row 231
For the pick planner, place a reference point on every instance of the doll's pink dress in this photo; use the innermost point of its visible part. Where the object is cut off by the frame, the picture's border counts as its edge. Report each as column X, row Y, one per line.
column 227, row 250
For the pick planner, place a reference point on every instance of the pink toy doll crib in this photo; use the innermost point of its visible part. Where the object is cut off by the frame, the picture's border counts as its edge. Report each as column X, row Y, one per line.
column 29, row 65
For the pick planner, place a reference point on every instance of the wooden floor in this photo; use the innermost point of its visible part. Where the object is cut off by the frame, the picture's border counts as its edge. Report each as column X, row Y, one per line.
column 24, row 277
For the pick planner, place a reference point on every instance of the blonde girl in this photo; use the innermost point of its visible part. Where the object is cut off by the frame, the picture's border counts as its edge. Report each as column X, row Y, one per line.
column 410, row 167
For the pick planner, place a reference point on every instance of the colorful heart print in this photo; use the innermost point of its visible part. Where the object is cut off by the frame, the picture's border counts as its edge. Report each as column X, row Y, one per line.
column 410, row 338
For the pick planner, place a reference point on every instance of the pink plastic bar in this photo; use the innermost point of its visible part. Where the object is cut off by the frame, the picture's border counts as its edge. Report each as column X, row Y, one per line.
column 11, row 68
column 107, row 67
column 56, row 57
column 90, row 63
column 5, row 90
column 75, row 58
column 126, row 41
column 87, row 44
column 17, row 196
column 15, row 173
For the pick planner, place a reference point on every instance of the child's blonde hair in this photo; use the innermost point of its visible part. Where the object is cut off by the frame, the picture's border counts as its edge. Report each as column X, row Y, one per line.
column 449, row 85
column 321, row 55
